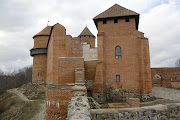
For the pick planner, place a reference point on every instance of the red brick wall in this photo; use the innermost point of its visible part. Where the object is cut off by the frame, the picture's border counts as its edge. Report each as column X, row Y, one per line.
column 145, row 69
column 60, row 45
column 57, row 100
column 90, row 69
column 39, row 68
column 41, row 41
column 99, row 78
column 133, row 102
column 67, row 69
column 175, row 84
column 89, row 39
column 167, row 75
column 134, row 66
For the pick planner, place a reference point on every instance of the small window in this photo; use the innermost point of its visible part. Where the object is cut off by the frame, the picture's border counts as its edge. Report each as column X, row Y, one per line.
column 127, row 19
column 84, row 36
column 104, row 21
column 117, row 78
column 116, row 21
column 117, row 52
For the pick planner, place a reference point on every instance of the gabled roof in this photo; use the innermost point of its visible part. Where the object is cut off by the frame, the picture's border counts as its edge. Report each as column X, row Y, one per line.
column 115, row 11
column 85, row 32
column 44, row 32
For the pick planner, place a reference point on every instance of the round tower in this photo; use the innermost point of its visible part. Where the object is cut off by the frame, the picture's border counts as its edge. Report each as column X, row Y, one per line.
column 39, row 54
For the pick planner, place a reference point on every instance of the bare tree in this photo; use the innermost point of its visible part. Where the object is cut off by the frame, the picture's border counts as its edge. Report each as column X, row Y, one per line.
column 16, row 78
column 1, row 72
column 178, row 63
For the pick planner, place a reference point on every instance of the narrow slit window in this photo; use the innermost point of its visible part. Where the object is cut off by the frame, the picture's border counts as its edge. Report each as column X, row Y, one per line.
column 104, row 21
column 118, row 52
column 115, row 20
column 117, row 78
column 127, row 19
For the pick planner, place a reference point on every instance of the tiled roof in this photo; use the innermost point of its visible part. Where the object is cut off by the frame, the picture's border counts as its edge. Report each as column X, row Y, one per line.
column 86, row 31
column 115, row 11
column 45, row 31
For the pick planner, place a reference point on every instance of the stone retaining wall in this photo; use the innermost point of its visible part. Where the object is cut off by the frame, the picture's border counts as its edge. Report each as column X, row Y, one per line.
column 78, row 107
column 119, row 95
column 156, row 112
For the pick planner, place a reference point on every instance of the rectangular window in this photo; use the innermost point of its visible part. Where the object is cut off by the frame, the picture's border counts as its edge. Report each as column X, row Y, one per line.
column 115, row 20
column 104, row 21
column 127, row 19
column 117, row 78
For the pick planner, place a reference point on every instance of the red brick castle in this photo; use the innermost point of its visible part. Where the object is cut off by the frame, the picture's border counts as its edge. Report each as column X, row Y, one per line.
column 119, row 68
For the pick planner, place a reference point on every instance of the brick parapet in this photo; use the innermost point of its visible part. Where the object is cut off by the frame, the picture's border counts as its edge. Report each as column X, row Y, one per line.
column 133, row 102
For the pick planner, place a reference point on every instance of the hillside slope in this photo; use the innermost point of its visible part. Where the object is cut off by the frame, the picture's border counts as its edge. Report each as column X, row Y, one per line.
column 24, row 103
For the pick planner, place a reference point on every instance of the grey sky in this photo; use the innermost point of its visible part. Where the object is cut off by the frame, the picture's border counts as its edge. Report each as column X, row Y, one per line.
column 21, row 19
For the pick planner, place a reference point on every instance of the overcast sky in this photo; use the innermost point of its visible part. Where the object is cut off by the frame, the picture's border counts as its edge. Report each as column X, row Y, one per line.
column 22, row 19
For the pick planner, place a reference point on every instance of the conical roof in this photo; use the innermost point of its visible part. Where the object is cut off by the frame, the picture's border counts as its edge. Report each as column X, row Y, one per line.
column 115, row 11
column 85, row 32
column 44, row 32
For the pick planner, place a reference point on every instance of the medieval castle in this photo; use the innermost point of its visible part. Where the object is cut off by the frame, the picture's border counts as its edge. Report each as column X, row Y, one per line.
column 119, row 68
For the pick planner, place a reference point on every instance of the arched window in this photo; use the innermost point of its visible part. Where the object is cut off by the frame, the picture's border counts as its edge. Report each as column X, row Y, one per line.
column 118, row 52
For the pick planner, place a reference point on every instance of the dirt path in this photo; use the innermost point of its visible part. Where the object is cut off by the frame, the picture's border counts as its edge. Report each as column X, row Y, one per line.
column 42, row 111
column 41, row 114
column 19, row 94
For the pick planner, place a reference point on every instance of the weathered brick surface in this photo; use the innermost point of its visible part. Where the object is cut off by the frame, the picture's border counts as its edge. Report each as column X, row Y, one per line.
column 39, row 68
column 168, row 75
column 133, row 102
column 60, row 45
column 99, row 78
column 57, row 99
column 175, row 84
column 134, row 66
column 90, row 69
column 66, row 69
column 89, row 39
column 41, row 41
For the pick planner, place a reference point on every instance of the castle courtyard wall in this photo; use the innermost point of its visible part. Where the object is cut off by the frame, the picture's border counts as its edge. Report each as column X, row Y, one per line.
column 169, row 76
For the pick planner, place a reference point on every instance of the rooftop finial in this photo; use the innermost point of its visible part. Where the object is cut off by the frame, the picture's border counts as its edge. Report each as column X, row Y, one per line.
column 47, row 23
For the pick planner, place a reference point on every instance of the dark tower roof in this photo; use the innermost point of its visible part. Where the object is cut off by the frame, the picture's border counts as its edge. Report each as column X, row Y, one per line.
column 44, row 32
column 116, row 11
column 85, row 32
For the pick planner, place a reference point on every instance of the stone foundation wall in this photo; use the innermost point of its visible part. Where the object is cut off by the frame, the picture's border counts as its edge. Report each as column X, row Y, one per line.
column 119, row 95
column 99, row 97
column 39, row 82
column 156, row 112
column 78, row 107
